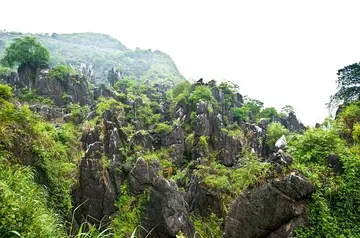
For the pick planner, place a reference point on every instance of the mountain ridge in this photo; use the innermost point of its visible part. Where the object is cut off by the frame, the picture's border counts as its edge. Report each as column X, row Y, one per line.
column 103, row 52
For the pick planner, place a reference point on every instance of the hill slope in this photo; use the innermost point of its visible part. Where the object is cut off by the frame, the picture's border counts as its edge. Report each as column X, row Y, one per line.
column 103, row 52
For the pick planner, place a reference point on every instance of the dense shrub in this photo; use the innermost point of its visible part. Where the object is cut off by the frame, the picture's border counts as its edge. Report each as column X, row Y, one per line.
column 23, row 207
column 274, row 131
column 5, row 92
column 334, row 206
column 61, row 72
column 163, row 127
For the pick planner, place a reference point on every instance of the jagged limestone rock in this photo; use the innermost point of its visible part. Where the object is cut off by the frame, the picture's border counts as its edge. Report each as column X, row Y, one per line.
column 264, row 211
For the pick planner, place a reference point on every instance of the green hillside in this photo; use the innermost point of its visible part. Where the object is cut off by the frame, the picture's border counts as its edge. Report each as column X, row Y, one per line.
column 103, row 52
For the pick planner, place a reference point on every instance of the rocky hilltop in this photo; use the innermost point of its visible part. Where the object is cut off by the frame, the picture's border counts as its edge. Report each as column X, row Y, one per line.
column 143, row 159
column 100, row 53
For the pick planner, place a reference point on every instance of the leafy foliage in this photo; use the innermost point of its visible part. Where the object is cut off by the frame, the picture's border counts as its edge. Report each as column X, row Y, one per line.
column 334, row 206
column 61, row 72
column 26, row 52
column 163, row 127
column 274, row 131
column 347, row 84
column 23, row 207
column 208, row 227
column 269, row 112
column 201, row 92
column 5, row 92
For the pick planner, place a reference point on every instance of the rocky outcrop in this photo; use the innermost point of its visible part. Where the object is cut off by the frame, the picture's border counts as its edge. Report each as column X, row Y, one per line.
column 202, row 201
column 73, row 89
column 271, row 210
column 114, row 75
column 335, row 163
column 202, row 127
column 256, row 138
column 166, row 213
column 49, row 113
column 290, row 122
column 99, row 175
column 280, row 159
column 106, row 92
column 173, row 141
column 143, row 140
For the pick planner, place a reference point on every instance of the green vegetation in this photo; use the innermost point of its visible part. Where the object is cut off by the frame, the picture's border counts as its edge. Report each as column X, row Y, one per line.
column 130, row 212
column 77, row 113
column 103, row 53
column 31, row 97
column 201, row 92
column 347, row 85
column 333, row 208
column 61, row 72
column 274, row 131
column 163, row 127
column 5, row 92
column 4, row 71
column 210, row 227
column 23, row 208
column 53, row 152
column 269, row 112
column 26, row 52
column 229, row 183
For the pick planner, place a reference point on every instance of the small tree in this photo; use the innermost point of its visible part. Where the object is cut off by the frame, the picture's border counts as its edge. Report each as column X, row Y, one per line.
column 287, row 109
column 347, row 84
column 26, row 52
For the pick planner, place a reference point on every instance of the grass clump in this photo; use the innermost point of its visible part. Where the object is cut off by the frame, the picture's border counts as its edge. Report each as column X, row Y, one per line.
column 210, row 227
column 130, row 212
column 163, row 127
column 23, row 207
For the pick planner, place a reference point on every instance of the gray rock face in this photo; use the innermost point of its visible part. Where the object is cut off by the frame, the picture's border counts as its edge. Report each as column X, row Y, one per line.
column 290, row 122
column 114, row 76
column 174, row 141
column 280, row 159
column 106, row 92
column 49, row 113
column 166, row 211
column 268, row 211
column 75, row 86
column 143, row 175
column 202, row 127
column 335, row 163
column 142, row 139
column 99, row 176
column 256, row 139
column 203, row 201
column 229, row 148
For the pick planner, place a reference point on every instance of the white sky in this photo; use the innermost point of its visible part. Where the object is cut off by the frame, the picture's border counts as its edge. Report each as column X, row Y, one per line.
column 280, row 51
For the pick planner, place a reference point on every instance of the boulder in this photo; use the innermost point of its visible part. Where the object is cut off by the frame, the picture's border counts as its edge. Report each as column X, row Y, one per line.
column 267, row 211
column 166, row 213
column 142, row 139
column 335, row 163
column 281, row 143
column 201, row 200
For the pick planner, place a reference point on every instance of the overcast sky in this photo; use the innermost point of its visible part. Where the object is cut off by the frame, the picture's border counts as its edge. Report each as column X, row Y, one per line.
column 280, row 51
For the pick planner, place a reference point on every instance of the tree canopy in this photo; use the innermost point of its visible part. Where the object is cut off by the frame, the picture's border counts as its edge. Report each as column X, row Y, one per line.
column 26, row 52
column 348, row 85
